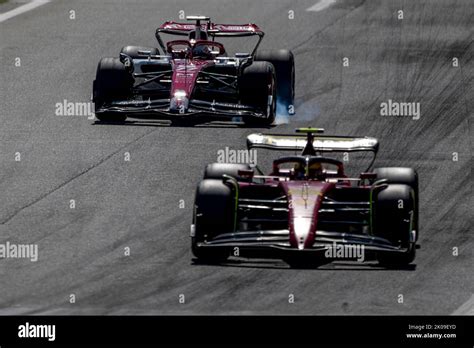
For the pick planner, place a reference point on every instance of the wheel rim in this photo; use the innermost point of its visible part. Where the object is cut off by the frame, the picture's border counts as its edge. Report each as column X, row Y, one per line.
column 272, row 94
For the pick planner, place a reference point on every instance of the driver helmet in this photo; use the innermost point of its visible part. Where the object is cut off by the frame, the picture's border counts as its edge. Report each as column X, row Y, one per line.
column 202, row 51
column 299, row 171
column 315, row 170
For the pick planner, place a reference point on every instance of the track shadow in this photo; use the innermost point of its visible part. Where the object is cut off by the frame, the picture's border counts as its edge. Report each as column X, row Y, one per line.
column 168, row 124
column 281, row 265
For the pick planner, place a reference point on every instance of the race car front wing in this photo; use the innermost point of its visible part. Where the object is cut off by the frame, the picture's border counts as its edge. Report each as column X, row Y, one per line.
column 278, row 241
column 160, row 108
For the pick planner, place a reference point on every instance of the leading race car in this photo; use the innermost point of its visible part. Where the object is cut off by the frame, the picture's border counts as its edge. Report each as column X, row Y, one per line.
column 307, row 211
column 195, row 77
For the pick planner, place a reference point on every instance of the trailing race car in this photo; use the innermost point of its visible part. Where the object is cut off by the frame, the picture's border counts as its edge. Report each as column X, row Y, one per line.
column 195, row 77
column 306, row 206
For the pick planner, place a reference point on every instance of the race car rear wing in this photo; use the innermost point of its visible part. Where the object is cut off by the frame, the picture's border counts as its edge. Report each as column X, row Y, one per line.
column 320, row 143
column 311, row 144
column 211, row 29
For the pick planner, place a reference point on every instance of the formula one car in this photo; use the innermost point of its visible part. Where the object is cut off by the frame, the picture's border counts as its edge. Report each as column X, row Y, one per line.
column 195, row 77
column 306, row 206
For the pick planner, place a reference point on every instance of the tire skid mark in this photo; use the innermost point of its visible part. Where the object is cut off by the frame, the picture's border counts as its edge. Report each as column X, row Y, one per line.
column 85, row 171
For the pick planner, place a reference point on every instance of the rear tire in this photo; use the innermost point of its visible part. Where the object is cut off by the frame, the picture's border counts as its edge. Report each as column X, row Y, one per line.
column 258, row 89
column 112, row 83
column 213, row 215
column 284, row 63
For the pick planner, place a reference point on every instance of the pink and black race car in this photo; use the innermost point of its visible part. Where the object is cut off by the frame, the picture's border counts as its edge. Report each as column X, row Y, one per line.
column 194, row 78
column 307, row 211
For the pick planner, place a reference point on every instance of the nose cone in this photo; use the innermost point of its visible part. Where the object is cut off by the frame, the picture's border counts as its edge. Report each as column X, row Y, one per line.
column 304, row 200
column 179, row 102
column 302, row 230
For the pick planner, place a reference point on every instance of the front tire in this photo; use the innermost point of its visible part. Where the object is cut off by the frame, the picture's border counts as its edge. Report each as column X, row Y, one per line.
column 213, row 215
column 393, row 220
column 284, row 64
column 258, row 88
column 112, row 83
column 406, row 176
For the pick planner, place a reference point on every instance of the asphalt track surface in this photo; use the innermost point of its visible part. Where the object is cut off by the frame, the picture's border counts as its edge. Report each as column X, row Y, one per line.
column 135, row 204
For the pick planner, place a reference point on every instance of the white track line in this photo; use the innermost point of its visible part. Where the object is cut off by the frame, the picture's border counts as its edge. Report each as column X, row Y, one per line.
column 321, row 5
column 22, row 9
column 467, row 308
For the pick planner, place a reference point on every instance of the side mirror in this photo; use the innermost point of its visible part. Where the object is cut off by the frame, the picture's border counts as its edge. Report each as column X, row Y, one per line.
column 246, row 174
column 242, row 55
column 368, row 176
column 127, row 61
